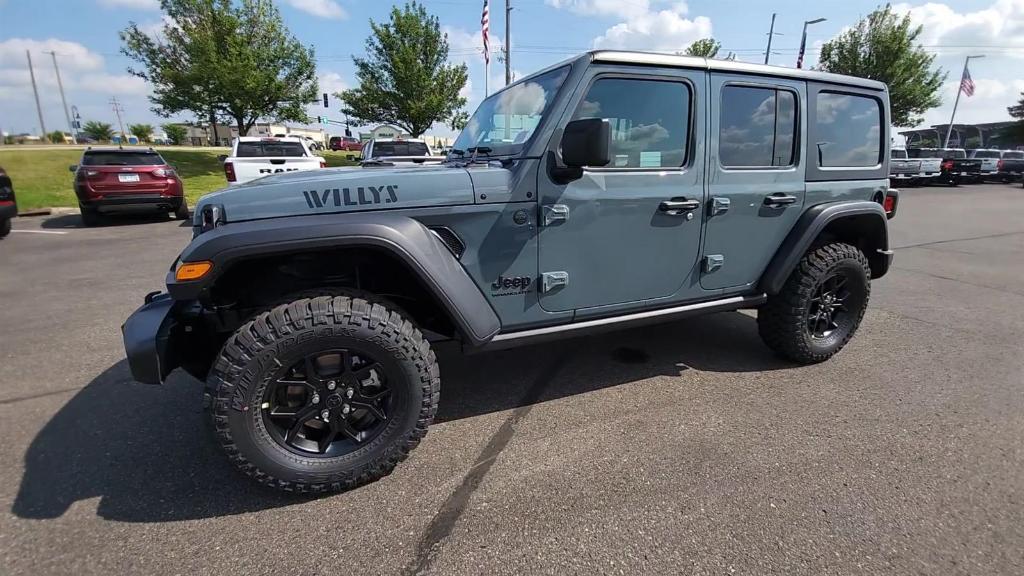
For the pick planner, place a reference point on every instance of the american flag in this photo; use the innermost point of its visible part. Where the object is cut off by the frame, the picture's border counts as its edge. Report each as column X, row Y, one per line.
column 966, row 84
column 485, row 26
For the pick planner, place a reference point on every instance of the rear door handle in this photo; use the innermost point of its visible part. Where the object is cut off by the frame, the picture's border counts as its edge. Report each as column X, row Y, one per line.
column 678, row 206
column 779, row 200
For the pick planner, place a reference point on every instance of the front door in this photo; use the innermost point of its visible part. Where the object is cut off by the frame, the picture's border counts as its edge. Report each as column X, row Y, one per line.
column 628, row 232
column 755, row 175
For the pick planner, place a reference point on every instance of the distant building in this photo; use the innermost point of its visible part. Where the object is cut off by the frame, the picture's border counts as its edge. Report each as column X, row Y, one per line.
column 987, row 135
column 389, row 131
column 222, row 135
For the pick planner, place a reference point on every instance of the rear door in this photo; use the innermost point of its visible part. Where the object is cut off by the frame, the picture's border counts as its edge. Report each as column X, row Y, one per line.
column 756, row 175
column 612, row 239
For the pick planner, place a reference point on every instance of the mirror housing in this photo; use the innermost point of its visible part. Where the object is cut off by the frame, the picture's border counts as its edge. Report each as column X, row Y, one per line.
column 73, row 168
column 584, row 142
column 222, row 157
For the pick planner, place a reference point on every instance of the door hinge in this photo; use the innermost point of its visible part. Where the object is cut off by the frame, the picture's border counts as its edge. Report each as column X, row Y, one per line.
column 555, row 213
column 713, row 262
column 551, row 280
column 719, row 205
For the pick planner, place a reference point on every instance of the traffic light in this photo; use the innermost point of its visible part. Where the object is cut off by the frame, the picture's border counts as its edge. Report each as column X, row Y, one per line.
column 319, row 120
column 325, row 99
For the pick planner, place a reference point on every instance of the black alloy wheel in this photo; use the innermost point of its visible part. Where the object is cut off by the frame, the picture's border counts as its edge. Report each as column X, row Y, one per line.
column 328, row 403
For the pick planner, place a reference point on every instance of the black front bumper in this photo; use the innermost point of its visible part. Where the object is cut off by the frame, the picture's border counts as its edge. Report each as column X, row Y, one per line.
column 147, row 339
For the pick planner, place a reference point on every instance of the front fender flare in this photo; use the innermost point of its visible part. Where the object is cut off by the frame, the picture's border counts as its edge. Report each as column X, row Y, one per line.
column 810, row 226
column 402, row 236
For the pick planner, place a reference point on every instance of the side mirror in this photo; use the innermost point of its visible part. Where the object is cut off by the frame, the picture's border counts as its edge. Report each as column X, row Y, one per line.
column 222, row 157
column 73, row 168
column 585, row 142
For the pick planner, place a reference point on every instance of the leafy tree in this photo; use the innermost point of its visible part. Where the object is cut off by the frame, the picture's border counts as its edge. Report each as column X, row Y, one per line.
column 144, row 132
column 883, row 46
column 176, row 133
column 459, row 120
column 224, row 59
column 100, row 131
column 405, row 78
column 1016, row 130
column 705, row 47
column 57, row 137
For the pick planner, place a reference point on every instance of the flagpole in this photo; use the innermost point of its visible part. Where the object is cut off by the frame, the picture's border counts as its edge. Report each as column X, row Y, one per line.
column 959, row 89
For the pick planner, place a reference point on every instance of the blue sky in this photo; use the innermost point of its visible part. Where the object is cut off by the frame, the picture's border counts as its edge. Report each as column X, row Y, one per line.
column 84, row 33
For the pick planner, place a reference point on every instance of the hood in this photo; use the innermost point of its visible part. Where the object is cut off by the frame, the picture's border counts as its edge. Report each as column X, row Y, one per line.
column 331, row 190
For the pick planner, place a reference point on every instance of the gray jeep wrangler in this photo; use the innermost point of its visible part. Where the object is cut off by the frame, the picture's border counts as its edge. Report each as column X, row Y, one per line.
column 609, row 191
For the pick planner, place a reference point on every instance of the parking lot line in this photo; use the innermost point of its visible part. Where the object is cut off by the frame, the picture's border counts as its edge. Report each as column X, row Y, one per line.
column 39, row 231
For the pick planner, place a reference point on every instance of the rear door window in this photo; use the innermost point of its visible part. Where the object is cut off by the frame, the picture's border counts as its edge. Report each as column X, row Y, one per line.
column 848, row 130
column 269, row 150
column 757, row 128
column 100, row 158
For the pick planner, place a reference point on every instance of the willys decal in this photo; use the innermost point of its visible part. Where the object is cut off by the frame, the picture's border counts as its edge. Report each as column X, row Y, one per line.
column 363, row 195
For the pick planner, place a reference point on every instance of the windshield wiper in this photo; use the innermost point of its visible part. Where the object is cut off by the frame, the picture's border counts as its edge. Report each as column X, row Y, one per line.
column 461, row 153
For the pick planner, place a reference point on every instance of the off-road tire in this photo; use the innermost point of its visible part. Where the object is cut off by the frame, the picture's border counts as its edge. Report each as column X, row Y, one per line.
column 90, row 217
column 5, row 227
column 249, row 358
column 782, row 321
column 181, row 212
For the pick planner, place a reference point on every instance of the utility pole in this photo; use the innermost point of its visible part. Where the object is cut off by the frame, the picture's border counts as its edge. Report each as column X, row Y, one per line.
column 117, row 108
column 963, row 75
column 803, row 41
column 508, row 51
column 771, row 33
column 60, row 85
column 39, row 107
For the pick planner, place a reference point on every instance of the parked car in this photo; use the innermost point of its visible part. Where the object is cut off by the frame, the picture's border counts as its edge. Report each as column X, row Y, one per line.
column 345, row 144
column 313, row 143
column 956, row 168
column 1010, row 167
column 398, row 150
column 902, row 169
column 126, row 179
column 253, row 157
column 989, row 161
column 8, row 203
column 931, row 164
column 311, row 305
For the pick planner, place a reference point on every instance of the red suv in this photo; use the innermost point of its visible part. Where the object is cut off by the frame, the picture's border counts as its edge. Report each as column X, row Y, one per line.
column 126, row 179
column 345, row 143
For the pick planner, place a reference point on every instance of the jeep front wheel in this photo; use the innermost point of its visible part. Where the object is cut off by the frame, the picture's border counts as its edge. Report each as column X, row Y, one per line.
column 323, row 394
column 820, row 307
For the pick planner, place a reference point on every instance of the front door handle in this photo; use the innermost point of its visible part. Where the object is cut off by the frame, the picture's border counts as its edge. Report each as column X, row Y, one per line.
column 779, row 200
column 678, row 206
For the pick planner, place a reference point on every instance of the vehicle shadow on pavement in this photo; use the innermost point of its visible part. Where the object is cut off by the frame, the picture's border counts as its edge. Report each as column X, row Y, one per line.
column 147, row 451
column 70, row 221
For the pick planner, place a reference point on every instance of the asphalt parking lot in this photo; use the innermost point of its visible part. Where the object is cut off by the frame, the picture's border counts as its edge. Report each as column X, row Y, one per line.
column 686, row 448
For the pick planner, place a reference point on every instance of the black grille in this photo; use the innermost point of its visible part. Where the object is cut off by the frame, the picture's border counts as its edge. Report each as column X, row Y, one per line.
column 450, row 239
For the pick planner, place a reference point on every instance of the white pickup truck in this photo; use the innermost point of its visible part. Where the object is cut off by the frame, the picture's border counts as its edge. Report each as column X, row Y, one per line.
column 989, row 161
column 931, row 164
column 254, row 157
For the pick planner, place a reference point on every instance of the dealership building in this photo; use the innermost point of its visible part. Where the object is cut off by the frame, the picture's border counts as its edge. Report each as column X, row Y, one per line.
column 988, row 135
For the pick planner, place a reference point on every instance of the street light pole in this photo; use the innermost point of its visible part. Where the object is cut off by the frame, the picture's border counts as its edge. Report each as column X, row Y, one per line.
column 803, row 41
column 959, row 89
column 63, row 100
column 35, row 91
column 771, row 32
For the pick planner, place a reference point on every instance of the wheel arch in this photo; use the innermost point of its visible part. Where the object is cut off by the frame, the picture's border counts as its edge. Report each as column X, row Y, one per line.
column 395, row 240
column 862, row 224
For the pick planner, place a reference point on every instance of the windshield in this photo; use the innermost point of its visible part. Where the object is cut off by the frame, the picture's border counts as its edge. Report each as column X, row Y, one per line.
column 953, row 153
column 986, row 154
column 405, row 148
column 1014, row 155
column 507, row 119
column 102, row 158
column 899, row 154
column 269, row 149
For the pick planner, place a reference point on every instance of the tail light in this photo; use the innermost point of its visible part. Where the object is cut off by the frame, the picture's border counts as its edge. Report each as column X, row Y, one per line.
column 999, row 165
column 947, row 165
column 164, row 172
column 229, row 171
column 889, row 203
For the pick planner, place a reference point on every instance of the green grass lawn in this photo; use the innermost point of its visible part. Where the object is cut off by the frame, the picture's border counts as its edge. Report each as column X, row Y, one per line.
column 42, row 180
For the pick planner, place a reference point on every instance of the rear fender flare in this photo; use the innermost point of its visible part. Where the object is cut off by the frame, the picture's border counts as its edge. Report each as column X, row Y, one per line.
column 871, row 219
column 407, row 239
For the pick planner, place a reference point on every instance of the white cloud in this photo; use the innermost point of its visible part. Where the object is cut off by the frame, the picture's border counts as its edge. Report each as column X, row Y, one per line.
column 72, row 55
column 647, row 25
column 465, row 46
column 1000, row 26
column 331, row 82
column 320, row 8
column 113, row 84
column 131, row 4
column 467, row 90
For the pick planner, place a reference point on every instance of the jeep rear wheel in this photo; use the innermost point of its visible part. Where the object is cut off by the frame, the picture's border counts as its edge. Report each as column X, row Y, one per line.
column 820, row 307
column 323, row 394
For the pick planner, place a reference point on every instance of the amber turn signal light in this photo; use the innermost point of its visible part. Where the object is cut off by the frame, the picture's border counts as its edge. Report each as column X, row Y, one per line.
column 192, row 271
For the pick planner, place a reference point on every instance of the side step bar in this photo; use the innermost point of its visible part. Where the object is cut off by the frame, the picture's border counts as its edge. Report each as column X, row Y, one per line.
column 523, row 337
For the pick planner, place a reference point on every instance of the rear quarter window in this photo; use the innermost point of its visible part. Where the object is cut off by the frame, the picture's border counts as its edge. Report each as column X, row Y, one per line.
column 849, row 131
